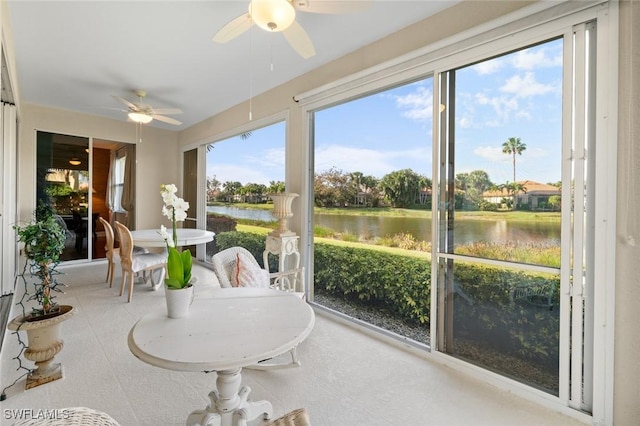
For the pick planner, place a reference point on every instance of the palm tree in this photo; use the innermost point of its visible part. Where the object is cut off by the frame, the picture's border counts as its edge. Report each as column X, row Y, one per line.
column 513, row 146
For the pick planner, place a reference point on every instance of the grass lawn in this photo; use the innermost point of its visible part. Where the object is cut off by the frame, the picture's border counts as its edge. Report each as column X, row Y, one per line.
column 392, row 250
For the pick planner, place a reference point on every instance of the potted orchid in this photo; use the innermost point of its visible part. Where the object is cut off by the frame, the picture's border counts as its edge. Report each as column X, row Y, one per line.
column 178, row 263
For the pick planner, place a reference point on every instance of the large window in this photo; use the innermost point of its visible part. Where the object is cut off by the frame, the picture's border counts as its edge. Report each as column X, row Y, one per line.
column 118, row 179
column 372, row 208
column 502, row 150
column 514, row 177
column 240, row 173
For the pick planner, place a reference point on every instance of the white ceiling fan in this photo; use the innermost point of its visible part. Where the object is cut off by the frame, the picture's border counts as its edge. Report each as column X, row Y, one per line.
column 280, row 16
column 142, row 113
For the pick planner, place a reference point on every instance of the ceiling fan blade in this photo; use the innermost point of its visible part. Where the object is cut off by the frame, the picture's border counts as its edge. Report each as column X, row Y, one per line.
column 233, row 29
column 129, row 105
column 167, row 111
column 166, row 119
column 299, row 40
column 331, row 7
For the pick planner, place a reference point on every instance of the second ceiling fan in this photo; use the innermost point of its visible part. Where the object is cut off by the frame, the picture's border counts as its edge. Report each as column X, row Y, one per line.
column 142, row 113
column 280, row 16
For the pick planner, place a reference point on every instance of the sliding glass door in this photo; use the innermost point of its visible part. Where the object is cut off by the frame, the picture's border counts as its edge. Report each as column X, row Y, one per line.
column 513, row 302
column 63, row 188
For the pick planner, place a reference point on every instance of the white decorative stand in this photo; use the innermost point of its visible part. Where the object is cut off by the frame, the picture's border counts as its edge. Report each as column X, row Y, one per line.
column 282, row 242
column 282, row 247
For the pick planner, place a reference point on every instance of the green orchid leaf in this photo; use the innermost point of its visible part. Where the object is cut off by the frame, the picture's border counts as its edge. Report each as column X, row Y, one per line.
column 172, row 283
column 187, row 262
column 174, row 266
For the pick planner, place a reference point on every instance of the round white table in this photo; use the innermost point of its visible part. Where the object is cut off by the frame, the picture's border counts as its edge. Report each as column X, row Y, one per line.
column 234, row 328
column 186, row 237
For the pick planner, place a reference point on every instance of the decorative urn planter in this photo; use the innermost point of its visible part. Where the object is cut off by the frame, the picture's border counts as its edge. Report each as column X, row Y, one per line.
column 282, row 212
column 44, row 343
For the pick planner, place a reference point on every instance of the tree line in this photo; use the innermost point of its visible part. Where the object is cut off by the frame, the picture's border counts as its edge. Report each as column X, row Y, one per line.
column 401, row 188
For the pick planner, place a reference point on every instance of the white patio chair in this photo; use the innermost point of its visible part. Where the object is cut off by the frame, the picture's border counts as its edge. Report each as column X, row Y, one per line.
column 224, row 266
column 133, row 263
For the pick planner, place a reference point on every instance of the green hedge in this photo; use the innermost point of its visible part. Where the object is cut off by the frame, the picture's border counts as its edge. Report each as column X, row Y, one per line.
column 399, row 283
column 484, row 310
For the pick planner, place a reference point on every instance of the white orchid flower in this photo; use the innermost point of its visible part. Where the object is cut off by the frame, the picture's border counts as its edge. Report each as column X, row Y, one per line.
column 167, row 212
column 168, row 198
column 165, row 235
column 181, row 204
column 171, row 188
column 180, row 215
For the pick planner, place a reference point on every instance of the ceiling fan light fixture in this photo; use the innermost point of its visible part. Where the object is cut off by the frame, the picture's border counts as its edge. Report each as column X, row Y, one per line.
column 139, row 117
column 272, row 15
column 75, row 162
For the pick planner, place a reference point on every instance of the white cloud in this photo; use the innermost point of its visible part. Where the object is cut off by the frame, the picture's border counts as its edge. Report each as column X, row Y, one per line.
column 465, row 122
column 367, row 161
column 418, row 105
column 503, row 106
column 225, row 172
column 529, row 60
column 488, row 67
column 491, row 153
column 527, row 86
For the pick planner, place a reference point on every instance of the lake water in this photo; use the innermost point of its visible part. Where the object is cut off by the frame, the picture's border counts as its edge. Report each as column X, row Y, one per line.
column 467, row 230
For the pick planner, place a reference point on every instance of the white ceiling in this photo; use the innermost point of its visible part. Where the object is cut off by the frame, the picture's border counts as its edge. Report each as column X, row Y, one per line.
column 75, row 55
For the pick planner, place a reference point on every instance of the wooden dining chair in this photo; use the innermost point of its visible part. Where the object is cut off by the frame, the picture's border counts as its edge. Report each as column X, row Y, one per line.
column 112, row 253
column 133, row 263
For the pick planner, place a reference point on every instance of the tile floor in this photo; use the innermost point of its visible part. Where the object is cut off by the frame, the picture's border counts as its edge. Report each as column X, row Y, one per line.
column 347, row 378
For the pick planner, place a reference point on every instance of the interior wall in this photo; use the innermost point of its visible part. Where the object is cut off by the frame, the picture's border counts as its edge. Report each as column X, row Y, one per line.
column 626, row 409
column 152, row 169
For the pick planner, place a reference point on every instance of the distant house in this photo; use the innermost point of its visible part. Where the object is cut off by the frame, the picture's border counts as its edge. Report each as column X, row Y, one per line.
column 535, row 195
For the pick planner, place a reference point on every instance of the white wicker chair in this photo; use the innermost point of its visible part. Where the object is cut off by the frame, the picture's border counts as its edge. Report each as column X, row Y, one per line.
column 79, row 416
column 223, row 265
column 297, row 417
column 224, row 261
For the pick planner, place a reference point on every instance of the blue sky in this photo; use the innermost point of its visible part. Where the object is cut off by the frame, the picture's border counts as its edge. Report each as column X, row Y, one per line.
column 516, row 95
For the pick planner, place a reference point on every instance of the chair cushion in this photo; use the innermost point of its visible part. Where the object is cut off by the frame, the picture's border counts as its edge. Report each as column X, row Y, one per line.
column 147, row 261
column 246, row 274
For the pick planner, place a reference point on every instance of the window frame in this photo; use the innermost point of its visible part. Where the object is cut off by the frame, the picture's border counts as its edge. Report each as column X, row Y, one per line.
column 529, row 26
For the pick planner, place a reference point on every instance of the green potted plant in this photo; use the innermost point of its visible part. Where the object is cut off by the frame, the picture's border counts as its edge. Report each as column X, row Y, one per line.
column 44, row 240
column 178, row 284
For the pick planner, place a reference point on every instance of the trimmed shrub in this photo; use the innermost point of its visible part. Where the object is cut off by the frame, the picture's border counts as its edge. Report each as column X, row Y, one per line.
column 400, row 284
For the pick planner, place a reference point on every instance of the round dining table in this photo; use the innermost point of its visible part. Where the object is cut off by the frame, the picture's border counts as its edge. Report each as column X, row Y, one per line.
column 186, row 237
column 231, row 329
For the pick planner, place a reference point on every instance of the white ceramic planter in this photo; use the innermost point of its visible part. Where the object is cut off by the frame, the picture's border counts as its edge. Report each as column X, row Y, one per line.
column 43, row 338
column 282, row 212
column 178, row 301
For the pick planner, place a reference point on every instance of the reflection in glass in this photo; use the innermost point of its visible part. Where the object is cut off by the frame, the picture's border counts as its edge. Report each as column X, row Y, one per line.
column 505, row 320
column 63, row 185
